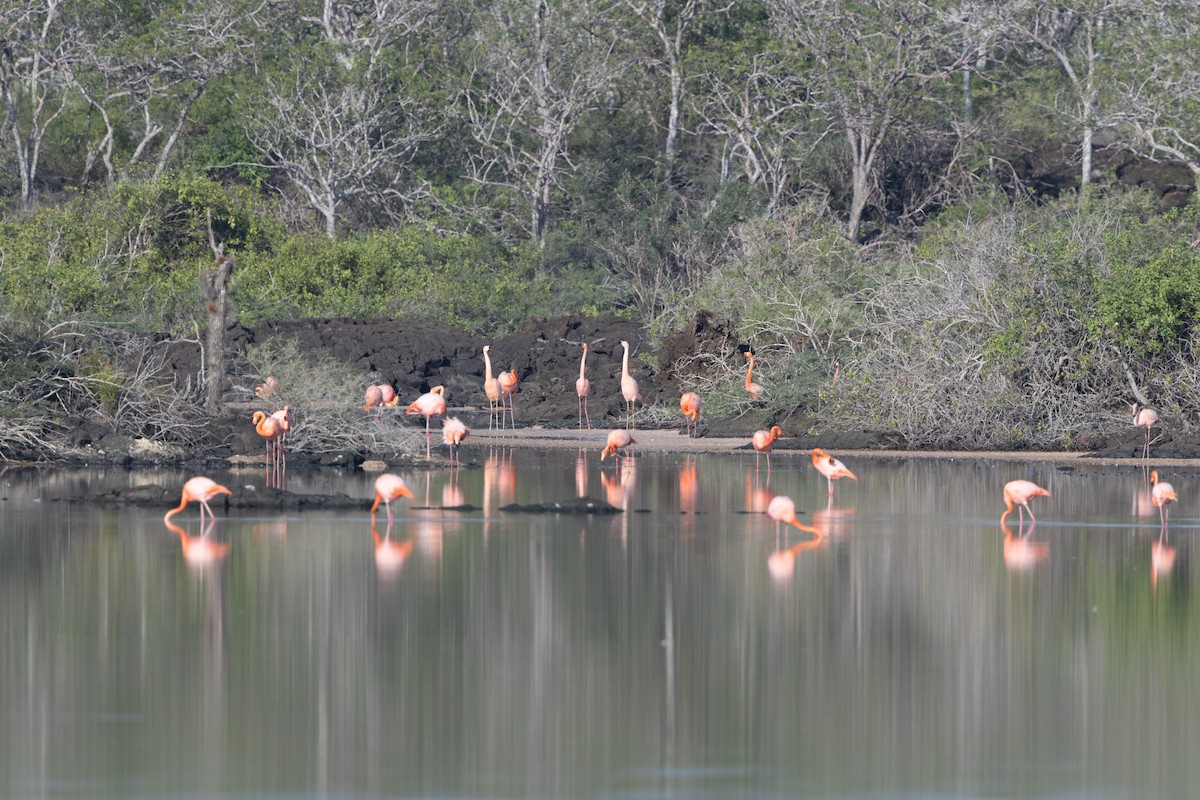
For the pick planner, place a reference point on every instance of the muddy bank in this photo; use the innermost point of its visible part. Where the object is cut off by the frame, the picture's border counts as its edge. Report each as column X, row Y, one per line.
column 413, row 356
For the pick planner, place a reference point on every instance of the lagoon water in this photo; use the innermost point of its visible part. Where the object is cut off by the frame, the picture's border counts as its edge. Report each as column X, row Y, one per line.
column 684, row 648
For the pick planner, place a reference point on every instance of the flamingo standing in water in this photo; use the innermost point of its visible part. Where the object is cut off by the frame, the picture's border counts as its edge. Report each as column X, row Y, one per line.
column 1020, row 493
column 429, row 404
column 389, row 488
column 454, row 431
column 508, row 387
column 752, row 388
column 764, row 442
column 629, row 387
column 830, row 467
column 200, row 490
column 1145, row 418
column 618, row 440
column 582, row 385
column 491, row 387
column 782, row 509
column 689, row 404
column 1162, row 495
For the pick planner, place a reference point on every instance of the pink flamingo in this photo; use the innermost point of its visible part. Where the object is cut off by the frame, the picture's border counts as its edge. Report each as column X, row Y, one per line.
column 429, row 404
column 618, row 440
column 268, row 387
column 268, row 427
column 1021, row 492
column 689, row 404
column 582, row 385
column 782, row 509
column 372, row 399
column 629, row 387
column 830, row 467
column 764, row 442
column 389, row 488
column 508, row 387
column 454, row 431
column 1145, row 418
column 491, row 387
column 752, row 389
column 200, row 490
column 1162, row 495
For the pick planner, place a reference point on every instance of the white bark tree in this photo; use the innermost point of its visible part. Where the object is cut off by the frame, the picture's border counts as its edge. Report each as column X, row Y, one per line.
column 870, row 61
column 343, row 123
column 35, row 48
column 537, row 67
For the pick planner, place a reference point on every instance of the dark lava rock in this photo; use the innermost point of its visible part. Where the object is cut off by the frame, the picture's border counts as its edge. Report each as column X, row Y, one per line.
column 259, row 498
column 580, row 505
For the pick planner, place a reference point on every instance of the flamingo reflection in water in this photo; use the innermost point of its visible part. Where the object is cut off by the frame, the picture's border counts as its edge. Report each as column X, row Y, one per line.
column 1021, row 552
column 835, row 521
column 390, row 555
column 202, row 550
column 581, row 473
column 688, row 492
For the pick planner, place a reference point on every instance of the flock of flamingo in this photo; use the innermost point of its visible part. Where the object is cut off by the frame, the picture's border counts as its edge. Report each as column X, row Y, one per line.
column 389, row 488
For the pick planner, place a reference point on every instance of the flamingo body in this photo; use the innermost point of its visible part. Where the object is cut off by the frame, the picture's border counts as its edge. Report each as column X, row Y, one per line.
column 428, row 405
column 783, row 510
column 689, row 405
column 389, row 488
column 1019, row 493
column 582, row 387
column 1162, row 495
column 454, row 431
column 200, row 490
column 617, row 440
column 831, row 468
column 629, row 386
column 1146, row 418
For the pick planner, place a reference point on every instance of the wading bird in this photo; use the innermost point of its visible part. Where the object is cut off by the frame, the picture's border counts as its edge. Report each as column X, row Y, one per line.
column 618, row 440
column 268, row 387
column 1021, row 492
column 508, row 387
column 201, row 490
column 764, row 442
column 782, row 509
column 491, row 387
column 752, row 388
column 388, row 488
column 830, row 467
column 582, row 385
column 629, row 387
column 1145, row 418
column 1162, row 495
column 689, row 404
column 429, row 405
column 454, row 431
column 269, row 428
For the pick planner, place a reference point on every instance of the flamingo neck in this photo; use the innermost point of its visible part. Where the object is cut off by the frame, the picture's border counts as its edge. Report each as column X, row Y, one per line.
column 487, row 365
column 583, row 362
column 749, row 372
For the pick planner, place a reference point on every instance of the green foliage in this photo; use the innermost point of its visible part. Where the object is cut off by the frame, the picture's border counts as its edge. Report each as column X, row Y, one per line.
column 1150, row 304
column 470, row 281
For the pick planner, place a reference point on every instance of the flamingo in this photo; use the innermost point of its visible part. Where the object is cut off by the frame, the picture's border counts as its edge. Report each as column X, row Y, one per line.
column 1162, row 495
column 782, row 509
column 491, row 387
column 752, row 389
column 582, row 385
column 373, row 399
column 388, row 488
column 387, row 395
column 1021, row 492
column 617, row 440
column 454, row 431
column 629, row 387
column 764, row 442
column 1145, row 418
column 508, row 387
column 830, row 467
column 268, row 387
column 429, row 404
column 201, row 490
column 284, row 415
column 689, row 404
column 268, row 427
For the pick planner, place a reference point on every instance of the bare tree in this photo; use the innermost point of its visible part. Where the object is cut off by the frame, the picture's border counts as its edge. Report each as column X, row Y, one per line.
column 537, row 67
column 1085, row 39
column 35, row 47
column 871, row 61
column 153, row 89
column 670, row 21
column 761, row 108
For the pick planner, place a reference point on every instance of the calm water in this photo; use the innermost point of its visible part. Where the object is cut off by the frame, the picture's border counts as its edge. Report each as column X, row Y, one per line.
column 681, row 649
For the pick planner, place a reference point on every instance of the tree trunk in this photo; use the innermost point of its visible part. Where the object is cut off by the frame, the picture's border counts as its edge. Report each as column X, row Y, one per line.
column 214, row 284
